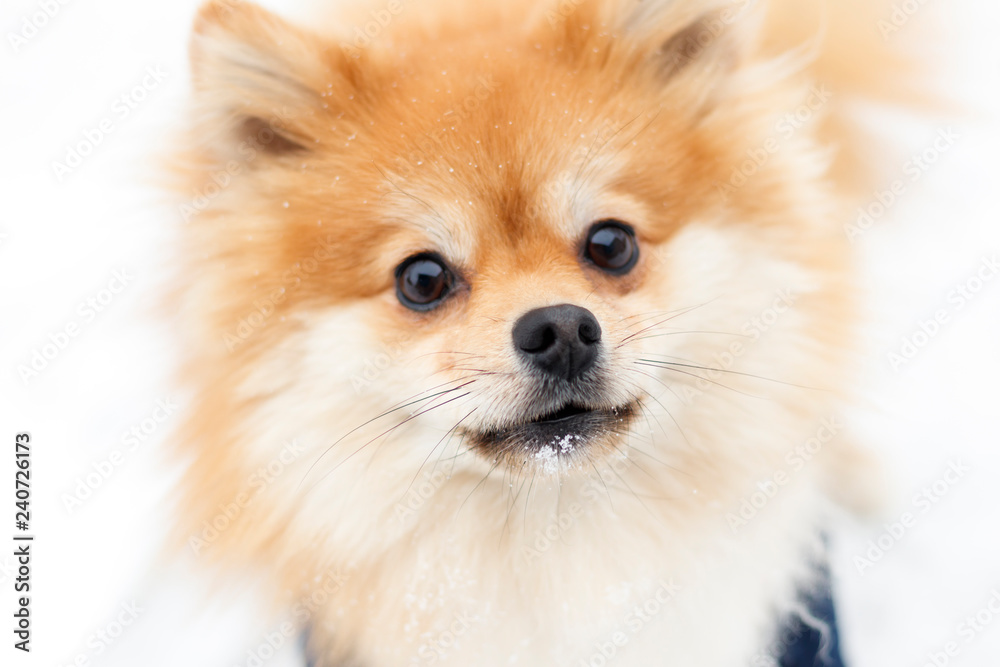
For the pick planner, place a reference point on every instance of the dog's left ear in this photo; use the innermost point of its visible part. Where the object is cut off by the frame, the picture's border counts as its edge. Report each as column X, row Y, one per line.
column 257, row 76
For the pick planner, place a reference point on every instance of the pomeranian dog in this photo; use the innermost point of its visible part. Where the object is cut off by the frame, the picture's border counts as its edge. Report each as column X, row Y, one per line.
column 520, row 330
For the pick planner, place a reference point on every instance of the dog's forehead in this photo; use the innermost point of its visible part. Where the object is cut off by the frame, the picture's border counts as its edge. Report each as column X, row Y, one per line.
column 506, row 213
column 488, row 172
column 499, row 184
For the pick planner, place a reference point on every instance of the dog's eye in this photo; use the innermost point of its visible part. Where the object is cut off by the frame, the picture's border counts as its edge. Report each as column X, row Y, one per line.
column 422, row 281
column 612, row 247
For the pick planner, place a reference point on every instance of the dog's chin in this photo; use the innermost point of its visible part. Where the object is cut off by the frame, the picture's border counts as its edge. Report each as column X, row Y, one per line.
column 557, row 440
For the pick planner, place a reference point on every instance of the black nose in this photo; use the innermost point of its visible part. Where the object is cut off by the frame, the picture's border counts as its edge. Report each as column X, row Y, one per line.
column 561, row 341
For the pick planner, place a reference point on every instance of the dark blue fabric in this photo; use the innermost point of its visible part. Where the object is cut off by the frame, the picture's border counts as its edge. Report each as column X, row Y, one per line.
column 813, row 641
column 304, row 642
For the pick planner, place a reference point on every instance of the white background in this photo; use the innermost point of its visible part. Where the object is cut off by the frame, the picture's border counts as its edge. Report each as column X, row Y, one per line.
column 61, row 242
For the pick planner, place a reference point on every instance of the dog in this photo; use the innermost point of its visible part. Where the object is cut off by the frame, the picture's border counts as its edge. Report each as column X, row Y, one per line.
column 520, row 332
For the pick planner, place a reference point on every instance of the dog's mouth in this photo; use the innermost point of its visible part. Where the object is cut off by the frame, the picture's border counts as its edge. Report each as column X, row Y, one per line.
column 569, row 411
column 553, row 438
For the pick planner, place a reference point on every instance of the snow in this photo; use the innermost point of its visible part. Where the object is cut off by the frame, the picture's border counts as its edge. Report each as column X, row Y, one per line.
column 63, row 237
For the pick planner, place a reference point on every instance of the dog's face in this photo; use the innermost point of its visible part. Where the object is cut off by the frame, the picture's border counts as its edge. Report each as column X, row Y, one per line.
column 509, row 252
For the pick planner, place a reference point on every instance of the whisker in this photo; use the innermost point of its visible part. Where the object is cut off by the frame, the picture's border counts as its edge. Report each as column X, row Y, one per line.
column 458, row 448
column 588, row 157
column 527, row 499
column 420, row 201
column 647, row 315
column 467, row 354
column 388, row 412
column 699, row 377
column 683, row 311
column 681, row 332
column 447, row 434
column 390, row 430
column 510, row 509
column 496, row 464
column 629, row 487
column 722, row 370
column 624, row 145
column 625, row 455
column 605, row 484
column 669, row 414
column 668, row 388
column 480, row 371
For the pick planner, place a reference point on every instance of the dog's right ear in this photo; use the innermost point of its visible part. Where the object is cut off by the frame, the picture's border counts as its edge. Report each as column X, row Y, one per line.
column 703, row 43
column 257, row 77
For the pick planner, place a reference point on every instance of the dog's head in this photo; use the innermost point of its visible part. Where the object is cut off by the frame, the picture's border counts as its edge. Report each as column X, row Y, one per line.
column 506, row 248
